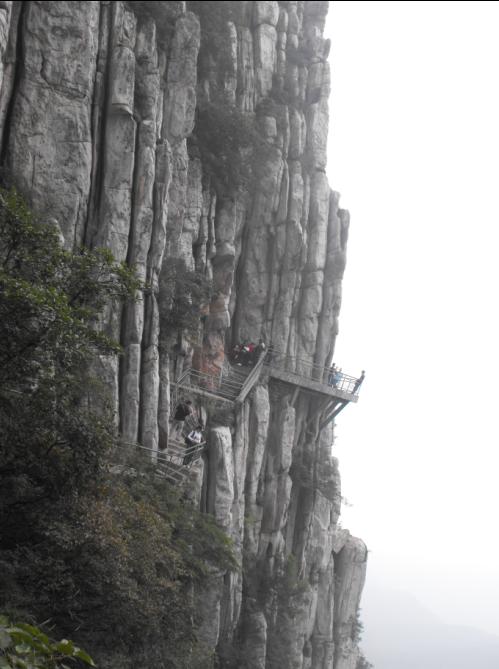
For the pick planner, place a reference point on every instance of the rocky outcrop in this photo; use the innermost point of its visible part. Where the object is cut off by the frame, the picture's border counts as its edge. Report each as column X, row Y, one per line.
column 100, row 108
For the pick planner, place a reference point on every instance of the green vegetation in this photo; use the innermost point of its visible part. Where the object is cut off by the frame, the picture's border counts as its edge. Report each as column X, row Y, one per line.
column 186, row 294
column 362, row 663
column 27, row 647
column 356, row 636
column 214, row 49
column 109, row 559
column 228, row 141
column 357, row 628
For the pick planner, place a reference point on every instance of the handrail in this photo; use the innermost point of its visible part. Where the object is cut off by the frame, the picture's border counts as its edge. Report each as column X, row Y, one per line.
column 236, row 390
column 165, row 466
column 305, row 369
column 161, row 454
column 221, row 385
column 251, row 379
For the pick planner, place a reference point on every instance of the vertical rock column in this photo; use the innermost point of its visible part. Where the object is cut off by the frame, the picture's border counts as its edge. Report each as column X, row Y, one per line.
column 9, row 18
column 350, row 573
column 177, row 121
column 48, row 132
column 111, row 226
column 147, row 89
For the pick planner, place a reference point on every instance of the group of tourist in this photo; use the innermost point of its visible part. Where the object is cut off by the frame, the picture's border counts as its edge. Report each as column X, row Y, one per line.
column 335, row 376
column 247, row 354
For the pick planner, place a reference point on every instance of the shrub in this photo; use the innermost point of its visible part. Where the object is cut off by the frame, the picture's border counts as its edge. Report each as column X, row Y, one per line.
column 184, row 295
column 231, row 147
column 50, row 299
column 110, row 559
column 362, row 663
column 26, row 646
column 213, row 19
column 357, row 628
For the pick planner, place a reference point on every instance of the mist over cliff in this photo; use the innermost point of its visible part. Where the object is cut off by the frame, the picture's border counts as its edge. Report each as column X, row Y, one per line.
column 401, row 632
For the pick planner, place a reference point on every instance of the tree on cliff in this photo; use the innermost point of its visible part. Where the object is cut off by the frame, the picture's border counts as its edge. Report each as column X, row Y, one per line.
column 109, row 558
column 362, row 663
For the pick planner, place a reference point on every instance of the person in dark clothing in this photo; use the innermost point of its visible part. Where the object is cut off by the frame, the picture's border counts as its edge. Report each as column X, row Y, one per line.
column 182, row 410
column 331, row 375
column 236, row 354
column 249, row 354
column 359, row 382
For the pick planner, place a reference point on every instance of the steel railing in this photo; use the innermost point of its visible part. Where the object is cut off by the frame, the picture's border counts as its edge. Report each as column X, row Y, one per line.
column 224, row 385
column 175, row 461
column 309, row 370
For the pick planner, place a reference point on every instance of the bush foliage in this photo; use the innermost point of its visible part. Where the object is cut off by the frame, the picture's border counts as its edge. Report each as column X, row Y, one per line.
column 186, row 293
column 362, row 663
column 110, row 559
column 27, row 647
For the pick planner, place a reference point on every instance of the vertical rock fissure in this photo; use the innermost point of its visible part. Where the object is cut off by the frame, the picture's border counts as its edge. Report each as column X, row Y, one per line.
column 18, row 66
column 125, row 312
column 100, row 105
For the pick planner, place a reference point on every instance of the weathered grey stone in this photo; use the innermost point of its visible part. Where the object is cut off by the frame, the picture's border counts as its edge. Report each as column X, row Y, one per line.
column 265, row 36
column 10, row 34
column 255, row 640
column 49, row 141
column 221, row 467
column 5, row 58
column 266, row 12
column 350, row 571
column 97, row 117
column 245, row 70
column 180, row 99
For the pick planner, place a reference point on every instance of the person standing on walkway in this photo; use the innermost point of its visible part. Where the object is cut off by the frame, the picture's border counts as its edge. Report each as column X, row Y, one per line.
column 331, row 375
column 359, row 382
column 183, row 410
column 194, row 438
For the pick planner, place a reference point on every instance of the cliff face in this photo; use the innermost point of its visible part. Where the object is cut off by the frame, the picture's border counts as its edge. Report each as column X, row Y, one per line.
column 101, row 110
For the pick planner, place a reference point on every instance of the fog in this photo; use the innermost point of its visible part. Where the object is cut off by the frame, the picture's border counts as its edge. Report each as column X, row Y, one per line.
column 402, row 634
column 414, row 151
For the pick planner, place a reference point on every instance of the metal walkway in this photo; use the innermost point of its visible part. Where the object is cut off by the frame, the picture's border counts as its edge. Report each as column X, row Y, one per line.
column 232, row 385
column 335, row 390
column 314, row 377
column 173, row 464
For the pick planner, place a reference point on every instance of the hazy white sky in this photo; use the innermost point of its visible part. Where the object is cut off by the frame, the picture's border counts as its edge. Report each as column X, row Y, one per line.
column 414, row 151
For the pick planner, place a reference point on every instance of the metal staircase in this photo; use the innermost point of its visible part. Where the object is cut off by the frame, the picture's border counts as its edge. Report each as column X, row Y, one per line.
column 232, row 385
column 173, row 464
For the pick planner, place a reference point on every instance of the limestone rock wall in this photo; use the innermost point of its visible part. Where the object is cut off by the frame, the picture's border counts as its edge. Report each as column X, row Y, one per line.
column 99, row 107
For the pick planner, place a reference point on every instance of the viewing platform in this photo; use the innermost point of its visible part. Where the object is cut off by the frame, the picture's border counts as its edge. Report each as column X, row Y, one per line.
column 311, row 377
column 335, row 389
